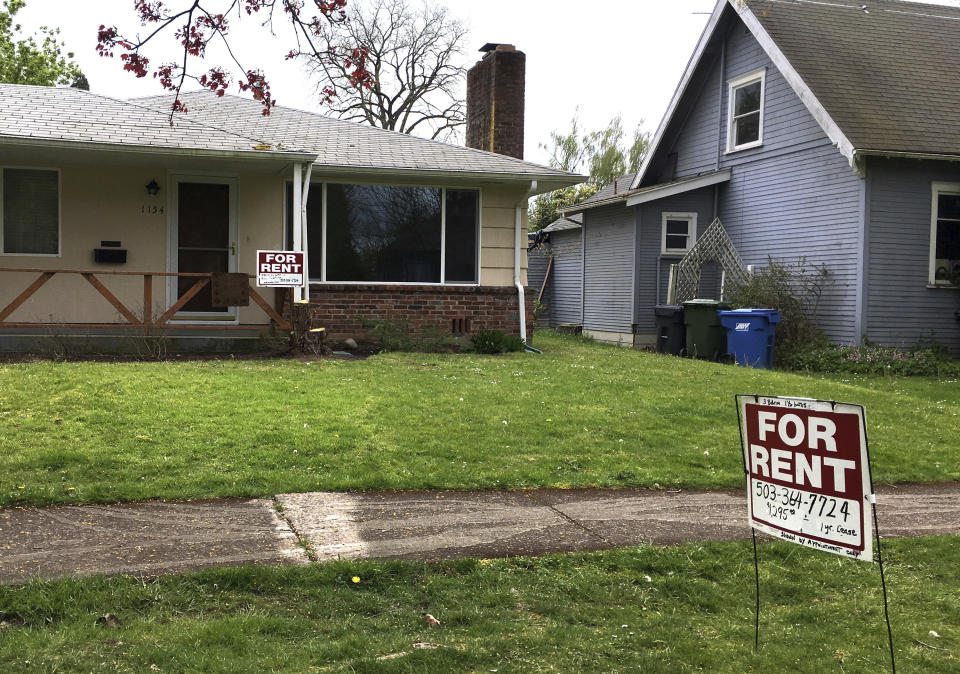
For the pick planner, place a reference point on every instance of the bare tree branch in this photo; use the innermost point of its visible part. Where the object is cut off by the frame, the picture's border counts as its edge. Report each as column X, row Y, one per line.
column 194, row 24
column 413, row 59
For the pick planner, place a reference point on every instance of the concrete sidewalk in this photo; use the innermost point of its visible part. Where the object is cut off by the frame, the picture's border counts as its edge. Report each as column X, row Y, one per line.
column 155, row 538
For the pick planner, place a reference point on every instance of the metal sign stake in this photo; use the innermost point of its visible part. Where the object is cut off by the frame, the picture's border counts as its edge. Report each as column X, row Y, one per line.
column 769, row 465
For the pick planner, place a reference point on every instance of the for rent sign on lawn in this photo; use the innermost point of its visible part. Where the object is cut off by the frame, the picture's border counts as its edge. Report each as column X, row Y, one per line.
column 279, row 269
column 808, row 473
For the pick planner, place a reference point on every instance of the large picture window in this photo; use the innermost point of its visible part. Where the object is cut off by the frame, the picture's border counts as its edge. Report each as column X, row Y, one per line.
column 360, row 233
column 31, row 212
column 945, row 235
column 745, row 113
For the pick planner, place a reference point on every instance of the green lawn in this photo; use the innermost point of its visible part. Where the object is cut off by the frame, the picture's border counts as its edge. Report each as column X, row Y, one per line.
column 581, row 415
column 679, row 609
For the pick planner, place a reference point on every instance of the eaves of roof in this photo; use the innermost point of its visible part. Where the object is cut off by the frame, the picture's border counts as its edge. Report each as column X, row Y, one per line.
column 649, row 193
column 158, row 150
column 547, row 182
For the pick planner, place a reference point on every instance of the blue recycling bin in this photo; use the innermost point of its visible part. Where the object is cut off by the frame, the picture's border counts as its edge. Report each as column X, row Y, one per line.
column 750, row 335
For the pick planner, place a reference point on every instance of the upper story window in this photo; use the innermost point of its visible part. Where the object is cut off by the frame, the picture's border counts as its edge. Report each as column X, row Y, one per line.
column 679, row 233
column 31, row 212
column 391, row 234
column 945, row 235
column 745, row 115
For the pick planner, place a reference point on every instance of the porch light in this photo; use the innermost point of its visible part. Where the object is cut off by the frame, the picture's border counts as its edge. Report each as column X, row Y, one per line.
column 153, row 189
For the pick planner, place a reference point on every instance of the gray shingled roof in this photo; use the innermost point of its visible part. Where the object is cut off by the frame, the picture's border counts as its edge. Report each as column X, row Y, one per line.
column 339, row 143
column 612, row 191
column 889, row 75
column 575, row 221
column 72, row 115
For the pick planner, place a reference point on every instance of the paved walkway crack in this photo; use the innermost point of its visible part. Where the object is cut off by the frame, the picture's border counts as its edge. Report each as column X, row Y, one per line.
column 302, row 540
column 577, row 523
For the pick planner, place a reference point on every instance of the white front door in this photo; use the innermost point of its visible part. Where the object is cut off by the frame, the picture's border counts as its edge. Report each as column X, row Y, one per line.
column 203, row 238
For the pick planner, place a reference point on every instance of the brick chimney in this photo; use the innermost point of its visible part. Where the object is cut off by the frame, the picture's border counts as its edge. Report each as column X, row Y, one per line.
column 495, row 92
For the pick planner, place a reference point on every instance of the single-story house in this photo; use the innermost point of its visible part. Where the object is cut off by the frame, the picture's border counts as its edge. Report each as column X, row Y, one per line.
column 825, row 130
column 113, row 218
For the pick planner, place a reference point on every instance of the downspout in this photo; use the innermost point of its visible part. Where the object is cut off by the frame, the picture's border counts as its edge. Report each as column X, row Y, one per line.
column 518, row 242
column 304, row 193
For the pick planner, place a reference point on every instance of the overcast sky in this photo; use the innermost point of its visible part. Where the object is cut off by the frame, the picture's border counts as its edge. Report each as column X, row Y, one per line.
column 604, row 57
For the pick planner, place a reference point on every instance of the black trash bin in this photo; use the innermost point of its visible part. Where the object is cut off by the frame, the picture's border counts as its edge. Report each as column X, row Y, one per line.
column 671, row 331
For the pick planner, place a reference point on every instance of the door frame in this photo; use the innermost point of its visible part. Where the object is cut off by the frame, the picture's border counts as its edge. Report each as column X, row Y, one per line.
column 231, row 316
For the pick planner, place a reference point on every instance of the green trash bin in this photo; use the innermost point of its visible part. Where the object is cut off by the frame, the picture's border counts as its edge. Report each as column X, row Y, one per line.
column 706, row 336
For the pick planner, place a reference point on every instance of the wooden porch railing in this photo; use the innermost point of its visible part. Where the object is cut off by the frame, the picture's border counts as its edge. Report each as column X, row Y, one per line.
column 147, row 321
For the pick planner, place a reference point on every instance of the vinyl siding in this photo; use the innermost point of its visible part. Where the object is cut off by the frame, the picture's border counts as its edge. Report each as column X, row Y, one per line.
column 652, row 290
column 609, row 246
column 562, row 296
column 900, row 308
column 537, row 261
column 566, row 283
column 698, row 145
column 793, row 196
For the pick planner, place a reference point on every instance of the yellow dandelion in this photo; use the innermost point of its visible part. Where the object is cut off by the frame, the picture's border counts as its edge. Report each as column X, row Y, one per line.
column 356, row 579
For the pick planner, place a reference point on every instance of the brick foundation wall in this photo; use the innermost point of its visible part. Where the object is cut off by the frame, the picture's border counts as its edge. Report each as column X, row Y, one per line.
column 341, row 308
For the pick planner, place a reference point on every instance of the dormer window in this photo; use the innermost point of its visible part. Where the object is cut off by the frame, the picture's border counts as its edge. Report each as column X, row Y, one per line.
column 745, row 127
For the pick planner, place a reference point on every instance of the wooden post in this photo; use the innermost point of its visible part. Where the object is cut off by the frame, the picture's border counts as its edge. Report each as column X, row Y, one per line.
column 147, row 299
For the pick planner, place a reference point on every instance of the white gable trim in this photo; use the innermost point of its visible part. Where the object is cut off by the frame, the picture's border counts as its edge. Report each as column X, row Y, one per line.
column 670, row 189
column 800, row 88
column 681, row 89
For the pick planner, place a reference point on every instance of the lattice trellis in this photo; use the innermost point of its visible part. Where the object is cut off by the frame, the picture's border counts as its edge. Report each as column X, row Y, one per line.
column 713, row 246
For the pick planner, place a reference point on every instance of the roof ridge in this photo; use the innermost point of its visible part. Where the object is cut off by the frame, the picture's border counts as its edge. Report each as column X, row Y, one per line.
column 367, row 127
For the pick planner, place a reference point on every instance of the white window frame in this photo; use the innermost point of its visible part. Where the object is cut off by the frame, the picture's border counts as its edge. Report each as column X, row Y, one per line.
column 322, row 277
column 732, row 86
column 937, row 189
column 59, row 211
column 691, row 219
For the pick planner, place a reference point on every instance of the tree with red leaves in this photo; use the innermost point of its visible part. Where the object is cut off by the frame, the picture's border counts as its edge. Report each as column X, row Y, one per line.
column 195, row 24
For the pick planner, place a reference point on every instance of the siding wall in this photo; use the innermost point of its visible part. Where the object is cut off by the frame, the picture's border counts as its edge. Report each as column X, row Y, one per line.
column 900, row 308
column 793, row 196
column 609, row 245
column 565, row 288
column 649, row 245
column 562, row 296
column 537, row 261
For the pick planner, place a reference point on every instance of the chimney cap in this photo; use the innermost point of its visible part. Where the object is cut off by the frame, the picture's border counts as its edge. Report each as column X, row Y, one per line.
column 497, row 46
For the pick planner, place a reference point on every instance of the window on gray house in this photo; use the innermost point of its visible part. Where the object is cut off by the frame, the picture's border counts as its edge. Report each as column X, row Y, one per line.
column 679, row 233
column 745, row 129
column 945, row 239
column 31, row 211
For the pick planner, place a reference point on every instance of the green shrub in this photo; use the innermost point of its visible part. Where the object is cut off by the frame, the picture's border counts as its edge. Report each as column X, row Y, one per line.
column 793, row 289
column 924, row 360
column 494, row 341
column 398, row 336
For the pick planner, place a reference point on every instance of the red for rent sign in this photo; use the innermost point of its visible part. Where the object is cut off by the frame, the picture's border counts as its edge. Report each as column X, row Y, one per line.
column 279, row 269
column 808, row 474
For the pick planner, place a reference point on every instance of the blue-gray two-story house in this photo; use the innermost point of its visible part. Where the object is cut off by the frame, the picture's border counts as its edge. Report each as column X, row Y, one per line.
column 829, row 130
